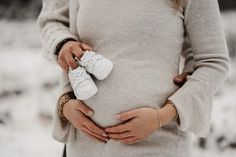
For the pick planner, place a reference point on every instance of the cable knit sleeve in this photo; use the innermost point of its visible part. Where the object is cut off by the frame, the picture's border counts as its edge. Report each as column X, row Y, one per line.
column 194, row 99
column 53, row 22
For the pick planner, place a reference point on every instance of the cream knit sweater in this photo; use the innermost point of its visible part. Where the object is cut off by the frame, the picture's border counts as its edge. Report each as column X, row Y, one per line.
column 144, row 39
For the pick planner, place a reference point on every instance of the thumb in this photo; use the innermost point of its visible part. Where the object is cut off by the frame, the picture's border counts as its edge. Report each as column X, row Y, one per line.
column 127, row 115
column 84, row 108
column 86, row 47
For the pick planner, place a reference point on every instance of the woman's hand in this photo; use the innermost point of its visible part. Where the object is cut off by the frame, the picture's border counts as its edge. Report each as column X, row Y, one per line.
column 77, row 113
column 142, row 122
column 68, row 52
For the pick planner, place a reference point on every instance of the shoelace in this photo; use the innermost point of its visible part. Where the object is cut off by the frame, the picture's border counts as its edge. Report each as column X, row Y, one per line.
column 77, row 76
column 91, row 59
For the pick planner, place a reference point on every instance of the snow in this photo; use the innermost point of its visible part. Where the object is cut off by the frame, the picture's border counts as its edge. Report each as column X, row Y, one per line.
column 29, row 86
column 27, row 108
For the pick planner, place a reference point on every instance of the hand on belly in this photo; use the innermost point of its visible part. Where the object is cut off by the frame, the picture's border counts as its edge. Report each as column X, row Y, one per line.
column 139, row 124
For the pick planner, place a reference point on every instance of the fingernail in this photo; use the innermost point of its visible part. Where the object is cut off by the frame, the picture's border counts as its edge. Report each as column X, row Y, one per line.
column 118, row 116
column 104, row 134
column 90, row 113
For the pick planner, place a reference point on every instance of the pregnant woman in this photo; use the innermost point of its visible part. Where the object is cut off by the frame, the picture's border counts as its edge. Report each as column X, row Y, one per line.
column 138, row 111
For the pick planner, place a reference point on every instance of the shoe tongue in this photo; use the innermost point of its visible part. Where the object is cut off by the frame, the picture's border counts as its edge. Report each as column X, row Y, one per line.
column 88, row 58
column 78, row 74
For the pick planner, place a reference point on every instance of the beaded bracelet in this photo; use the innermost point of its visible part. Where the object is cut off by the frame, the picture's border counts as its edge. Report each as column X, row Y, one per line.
column 61, row 102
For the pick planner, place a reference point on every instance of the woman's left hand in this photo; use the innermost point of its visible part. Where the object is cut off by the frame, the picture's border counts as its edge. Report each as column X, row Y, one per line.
column 141, row 123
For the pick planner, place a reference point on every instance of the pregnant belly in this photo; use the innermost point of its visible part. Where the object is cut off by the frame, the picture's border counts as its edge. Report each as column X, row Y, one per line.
column 129, row 87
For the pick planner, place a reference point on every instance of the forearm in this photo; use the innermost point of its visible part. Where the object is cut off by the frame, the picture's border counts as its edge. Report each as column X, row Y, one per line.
column 53, row 22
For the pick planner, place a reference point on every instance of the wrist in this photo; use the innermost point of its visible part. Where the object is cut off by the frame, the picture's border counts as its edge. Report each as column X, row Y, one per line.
column 168, row 113
column 175, row 112
column 62, row 43
column 61, row 103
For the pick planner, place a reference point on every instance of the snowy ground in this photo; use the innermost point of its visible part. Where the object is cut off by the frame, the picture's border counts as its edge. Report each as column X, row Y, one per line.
column 27, row 95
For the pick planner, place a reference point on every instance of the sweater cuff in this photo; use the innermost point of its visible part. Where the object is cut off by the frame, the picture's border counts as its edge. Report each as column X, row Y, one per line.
column 193, row 107
column 60, row 45
column 53, row 52
column 52, row 38
column 60, row 129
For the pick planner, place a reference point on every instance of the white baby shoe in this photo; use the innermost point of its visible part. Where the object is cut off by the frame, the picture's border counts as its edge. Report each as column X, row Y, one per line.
column 82, row 83
column 96, row 64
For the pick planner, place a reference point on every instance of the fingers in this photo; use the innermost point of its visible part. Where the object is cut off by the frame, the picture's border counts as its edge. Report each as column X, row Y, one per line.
column 62, row 63
column 119, row 128
column 93, row 136
column 85, row 47
column 180, row 79
column 120, row 135
column 66, row 61
column 77, row 52
column 67, row 53
column 71, row 61
column 94, row 128
column 84, row 122
column 127, row 115
column 72, row 111
column 96, row 135
column 84, row 108
column 87, row 121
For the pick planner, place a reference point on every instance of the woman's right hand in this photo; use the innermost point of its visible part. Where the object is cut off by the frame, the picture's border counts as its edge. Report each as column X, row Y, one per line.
column 77, row 113
column 68, row 52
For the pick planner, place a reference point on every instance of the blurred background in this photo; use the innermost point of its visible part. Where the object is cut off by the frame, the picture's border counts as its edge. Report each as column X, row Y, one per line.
column 29, row 86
